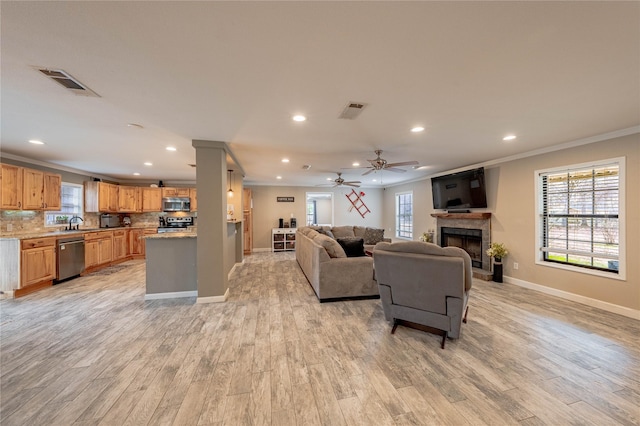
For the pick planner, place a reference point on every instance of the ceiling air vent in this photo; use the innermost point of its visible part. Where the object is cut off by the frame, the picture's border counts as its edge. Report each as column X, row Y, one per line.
column 306, row 166
column 352, row 110
column 65, row 79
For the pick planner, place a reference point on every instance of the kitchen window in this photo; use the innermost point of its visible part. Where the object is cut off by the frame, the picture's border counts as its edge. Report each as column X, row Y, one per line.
column 404, row 215
column 72, row 197
column 581, row 217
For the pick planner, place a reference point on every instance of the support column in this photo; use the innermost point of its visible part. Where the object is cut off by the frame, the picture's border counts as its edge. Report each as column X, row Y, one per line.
column 211, row 182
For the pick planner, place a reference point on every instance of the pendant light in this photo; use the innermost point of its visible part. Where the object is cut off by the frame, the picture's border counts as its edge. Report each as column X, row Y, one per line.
column 230, row 191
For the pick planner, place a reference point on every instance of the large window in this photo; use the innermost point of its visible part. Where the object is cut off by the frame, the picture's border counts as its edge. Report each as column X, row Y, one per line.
column 71, row 195
column 580, row 222
column 404, row 215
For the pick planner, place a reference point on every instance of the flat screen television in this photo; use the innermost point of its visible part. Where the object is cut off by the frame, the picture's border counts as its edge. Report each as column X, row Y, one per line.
column 459, row 191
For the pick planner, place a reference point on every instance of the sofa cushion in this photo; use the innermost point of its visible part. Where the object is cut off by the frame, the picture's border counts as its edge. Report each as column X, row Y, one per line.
column 359, row 231
column 343, row 231
column 327, row 232
column 331, row 246
column 353, row 247
column 373, row 235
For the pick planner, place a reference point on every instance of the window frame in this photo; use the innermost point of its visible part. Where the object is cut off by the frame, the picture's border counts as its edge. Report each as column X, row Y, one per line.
column 397, row 230
column 539, row 227
column 79, row 187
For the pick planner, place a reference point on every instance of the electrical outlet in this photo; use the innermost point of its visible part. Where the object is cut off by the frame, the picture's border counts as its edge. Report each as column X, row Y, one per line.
column 515, row 265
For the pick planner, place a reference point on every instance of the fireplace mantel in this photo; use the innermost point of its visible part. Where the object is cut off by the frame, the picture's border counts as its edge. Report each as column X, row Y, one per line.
column 480, row 216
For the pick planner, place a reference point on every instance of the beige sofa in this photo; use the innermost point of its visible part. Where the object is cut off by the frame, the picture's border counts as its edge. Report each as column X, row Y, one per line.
column 331, row 274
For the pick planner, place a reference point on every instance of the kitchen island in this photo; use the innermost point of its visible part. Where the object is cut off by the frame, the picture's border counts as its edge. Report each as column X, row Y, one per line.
column 171, row 265
column 172, row 261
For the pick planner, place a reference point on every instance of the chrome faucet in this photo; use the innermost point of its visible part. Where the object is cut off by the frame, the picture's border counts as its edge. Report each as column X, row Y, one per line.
column 70, row 227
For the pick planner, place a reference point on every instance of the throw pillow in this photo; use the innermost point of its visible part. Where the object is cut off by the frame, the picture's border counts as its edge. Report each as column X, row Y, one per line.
column 327, row 232
column 359, row 231
column 343, row 231
column 373, row 235
column 330, row 245
column 353, row 247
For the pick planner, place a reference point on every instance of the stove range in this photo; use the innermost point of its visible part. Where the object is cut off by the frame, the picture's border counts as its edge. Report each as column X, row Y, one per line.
column 174, row 224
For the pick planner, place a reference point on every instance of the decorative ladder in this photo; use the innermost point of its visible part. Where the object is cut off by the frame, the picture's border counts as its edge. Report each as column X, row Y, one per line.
column 357, row 203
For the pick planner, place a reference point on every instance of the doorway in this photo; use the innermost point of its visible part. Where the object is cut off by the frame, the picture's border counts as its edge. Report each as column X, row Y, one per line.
column 319, row 209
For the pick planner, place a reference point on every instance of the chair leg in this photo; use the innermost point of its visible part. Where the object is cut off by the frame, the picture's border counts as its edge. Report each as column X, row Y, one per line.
column 466, row 311
column 444, row 339
column 395, row 325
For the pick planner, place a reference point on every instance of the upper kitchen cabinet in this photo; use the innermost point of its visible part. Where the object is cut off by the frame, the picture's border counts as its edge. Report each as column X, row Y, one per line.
column 100, row 197
column 151, row 199
column 41, row 190
column 175, row 192
column 128, row 199
column 193, row 195
column 10, row 187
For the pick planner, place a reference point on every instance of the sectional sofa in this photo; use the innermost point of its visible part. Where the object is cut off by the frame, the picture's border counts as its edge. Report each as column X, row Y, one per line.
column 331, row 273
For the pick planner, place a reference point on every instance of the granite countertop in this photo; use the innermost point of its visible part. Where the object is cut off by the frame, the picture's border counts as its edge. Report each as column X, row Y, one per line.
column 60, row 233
column 169, row 235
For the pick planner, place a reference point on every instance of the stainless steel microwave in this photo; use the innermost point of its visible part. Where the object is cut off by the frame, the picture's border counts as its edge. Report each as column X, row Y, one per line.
column 176, row 204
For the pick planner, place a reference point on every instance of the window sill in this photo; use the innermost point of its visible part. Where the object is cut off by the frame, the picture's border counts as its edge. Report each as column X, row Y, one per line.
column 620, row 276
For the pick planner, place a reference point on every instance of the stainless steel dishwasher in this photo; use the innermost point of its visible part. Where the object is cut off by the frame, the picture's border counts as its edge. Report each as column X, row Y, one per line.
column 70, row 255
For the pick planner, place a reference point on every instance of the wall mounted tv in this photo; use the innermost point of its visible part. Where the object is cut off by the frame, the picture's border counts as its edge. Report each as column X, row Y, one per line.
column 459, row 191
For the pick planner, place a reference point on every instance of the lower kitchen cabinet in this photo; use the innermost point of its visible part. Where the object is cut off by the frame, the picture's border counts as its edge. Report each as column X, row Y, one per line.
column 98, row 248
column 136, row 241
column 120, row 244
column 38, row 261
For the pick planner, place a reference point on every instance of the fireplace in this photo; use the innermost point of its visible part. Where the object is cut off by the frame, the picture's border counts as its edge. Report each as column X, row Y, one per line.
column 470, row 240
column 469, row 231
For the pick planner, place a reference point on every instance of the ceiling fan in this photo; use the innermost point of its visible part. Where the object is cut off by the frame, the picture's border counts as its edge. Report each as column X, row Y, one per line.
column 340, row 182
column 381, row 164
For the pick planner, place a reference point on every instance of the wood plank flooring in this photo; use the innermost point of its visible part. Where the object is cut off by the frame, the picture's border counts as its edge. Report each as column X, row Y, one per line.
column 91, row 351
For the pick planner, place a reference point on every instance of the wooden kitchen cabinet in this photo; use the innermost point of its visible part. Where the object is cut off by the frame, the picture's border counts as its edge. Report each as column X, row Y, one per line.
column 128, row 199
column 100, row 197
column 247, row 221
column 136, row 241
column 40, row 190
column 10, row 187
column 38, row 261
column 175, row 192
column 193, row 195
column 120, row 244
column 98, row 248
column 151, row 199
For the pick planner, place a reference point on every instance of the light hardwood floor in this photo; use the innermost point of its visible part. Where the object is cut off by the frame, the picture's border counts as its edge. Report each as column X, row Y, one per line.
column 92, row 351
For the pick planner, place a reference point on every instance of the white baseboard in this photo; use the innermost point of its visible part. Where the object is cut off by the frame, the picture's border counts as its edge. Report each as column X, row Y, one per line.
column 595, row 303
column 173, row 295
column 261, row 250
column 214, row 299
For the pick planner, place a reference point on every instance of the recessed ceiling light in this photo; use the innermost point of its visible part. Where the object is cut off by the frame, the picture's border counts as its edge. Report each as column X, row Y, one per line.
column 417, row 129
column 329, row 179
column 509, row 138
column 355, row 164
column 278, row 177
column 148, row 163
column 420, row 167
column 136, row 174
column 136, row 125
column 285, row 160
column 171, row 148
column 36, row 142
column 299, row 118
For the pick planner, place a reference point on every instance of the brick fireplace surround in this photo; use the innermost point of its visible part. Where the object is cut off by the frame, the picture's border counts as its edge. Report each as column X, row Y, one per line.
column 480, row 221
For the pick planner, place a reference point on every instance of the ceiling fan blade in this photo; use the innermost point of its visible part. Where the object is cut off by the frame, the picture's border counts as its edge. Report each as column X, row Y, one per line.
column 351, row 184
column 391, row 169
column 367, row 172
column 404, row 163
column 354, row 181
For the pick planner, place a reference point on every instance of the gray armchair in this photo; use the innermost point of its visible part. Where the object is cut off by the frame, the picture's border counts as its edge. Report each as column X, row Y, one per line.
column 425, row 284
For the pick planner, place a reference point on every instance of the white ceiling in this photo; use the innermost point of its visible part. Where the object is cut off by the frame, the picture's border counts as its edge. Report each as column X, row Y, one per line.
column 469, row 72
